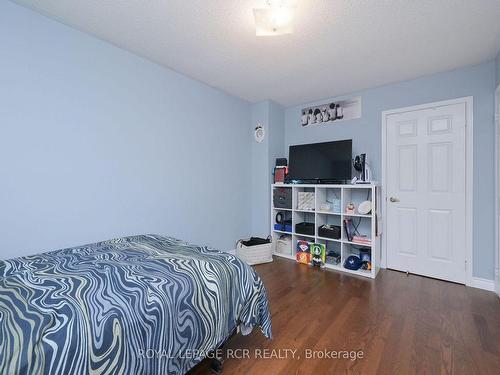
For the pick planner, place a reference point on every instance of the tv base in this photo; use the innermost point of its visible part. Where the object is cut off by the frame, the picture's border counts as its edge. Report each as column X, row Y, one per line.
column 318, row 181
column 355, row 181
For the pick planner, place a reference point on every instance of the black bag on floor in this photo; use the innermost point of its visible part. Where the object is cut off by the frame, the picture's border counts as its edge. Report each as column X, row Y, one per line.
column 256, row 241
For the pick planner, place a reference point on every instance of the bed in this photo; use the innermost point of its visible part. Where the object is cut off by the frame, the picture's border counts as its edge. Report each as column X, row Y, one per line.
column 143, row 304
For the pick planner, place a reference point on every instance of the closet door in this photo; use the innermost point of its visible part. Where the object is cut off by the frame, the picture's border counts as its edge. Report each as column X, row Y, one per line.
column 426, row 201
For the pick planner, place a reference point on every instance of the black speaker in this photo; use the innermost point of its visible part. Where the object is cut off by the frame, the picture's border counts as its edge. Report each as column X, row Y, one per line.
column 281, row 162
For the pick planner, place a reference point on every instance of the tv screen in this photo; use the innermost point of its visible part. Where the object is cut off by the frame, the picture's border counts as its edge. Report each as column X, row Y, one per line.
column 321, row 161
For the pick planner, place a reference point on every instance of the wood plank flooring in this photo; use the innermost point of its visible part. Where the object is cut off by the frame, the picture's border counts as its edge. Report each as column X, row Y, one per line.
column 402, row 324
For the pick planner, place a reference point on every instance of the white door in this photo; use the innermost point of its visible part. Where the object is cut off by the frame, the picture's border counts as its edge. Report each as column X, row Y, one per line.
column 425, row 185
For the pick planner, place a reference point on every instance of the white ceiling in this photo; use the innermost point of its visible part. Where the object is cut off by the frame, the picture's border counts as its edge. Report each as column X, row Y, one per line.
column 339, row 46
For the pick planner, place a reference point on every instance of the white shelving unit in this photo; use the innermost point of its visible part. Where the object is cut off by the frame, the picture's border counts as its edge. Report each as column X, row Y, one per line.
column 366, row 224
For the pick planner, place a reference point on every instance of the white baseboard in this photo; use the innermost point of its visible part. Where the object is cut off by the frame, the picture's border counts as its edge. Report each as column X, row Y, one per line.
column 476, row 282
column 480, row 283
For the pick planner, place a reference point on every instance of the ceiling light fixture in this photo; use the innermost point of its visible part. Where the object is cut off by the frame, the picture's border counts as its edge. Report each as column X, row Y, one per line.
column 276, row 19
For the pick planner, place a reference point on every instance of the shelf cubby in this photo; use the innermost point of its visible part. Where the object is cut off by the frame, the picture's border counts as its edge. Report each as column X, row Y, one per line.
column 325, row 219
column 332, row 246
column 301, row 217
column 295, row 196
column 354, row 249
column 330, row 196
column 356, row 196
column 286, row 214
column 362, row 227
column 287, row 251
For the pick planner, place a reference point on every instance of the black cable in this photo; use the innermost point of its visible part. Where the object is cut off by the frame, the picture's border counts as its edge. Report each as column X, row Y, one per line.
column 356, row 227
column 359, row 220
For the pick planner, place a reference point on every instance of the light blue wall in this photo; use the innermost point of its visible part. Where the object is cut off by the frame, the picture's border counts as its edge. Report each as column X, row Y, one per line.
column 259, row 171
column 276, row 137
column 270, row 115
column 477, row 81
column 96, row 143
column 497, row 64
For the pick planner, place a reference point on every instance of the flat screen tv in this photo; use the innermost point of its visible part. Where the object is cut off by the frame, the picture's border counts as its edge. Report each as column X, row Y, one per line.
column 321, row 162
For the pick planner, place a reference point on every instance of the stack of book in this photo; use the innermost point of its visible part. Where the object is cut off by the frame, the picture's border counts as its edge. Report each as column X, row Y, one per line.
column 362, row 240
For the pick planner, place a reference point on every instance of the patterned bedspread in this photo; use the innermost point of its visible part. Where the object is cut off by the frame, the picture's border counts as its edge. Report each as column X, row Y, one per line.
column 135, row 305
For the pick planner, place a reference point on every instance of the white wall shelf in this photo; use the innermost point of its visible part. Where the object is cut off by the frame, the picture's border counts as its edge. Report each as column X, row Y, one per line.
column 367, row 224
column 351, row 110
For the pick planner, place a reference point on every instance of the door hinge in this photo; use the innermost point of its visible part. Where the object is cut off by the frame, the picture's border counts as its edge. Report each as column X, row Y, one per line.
column 465, row 265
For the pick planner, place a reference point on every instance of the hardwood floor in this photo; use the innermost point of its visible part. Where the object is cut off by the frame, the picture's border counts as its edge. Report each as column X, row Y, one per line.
column 402, row 324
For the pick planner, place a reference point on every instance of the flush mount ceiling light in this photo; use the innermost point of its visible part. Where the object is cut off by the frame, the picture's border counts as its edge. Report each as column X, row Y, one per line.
column 275, row 19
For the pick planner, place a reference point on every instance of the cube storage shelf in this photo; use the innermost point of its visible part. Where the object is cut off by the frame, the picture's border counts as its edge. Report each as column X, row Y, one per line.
column 366, row 224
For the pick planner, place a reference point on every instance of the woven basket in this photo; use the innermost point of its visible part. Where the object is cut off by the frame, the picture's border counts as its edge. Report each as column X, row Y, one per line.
column 255, row 254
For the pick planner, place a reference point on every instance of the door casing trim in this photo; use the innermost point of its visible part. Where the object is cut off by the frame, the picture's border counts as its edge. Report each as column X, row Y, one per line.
column 469, row 173
column 497, row 191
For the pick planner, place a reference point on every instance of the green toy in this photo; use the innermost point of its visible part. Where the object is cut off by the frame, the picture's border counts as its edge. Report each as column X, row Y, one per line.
column 318, row 253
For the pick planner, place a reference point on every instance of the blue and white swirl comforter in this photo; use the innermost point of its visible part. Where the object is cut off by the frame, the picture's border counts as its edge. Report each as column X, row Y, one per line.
column 135, row 305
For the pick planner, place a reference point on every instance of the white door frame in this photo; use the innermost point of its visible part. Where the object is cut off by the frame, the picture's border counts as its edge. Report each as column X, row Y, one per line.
column 497, row 191
column 469, row 171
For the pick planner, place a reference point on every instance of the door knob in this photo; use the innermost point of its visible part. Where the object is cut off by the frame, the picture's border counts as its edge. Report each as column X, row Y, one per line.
column 393, row 200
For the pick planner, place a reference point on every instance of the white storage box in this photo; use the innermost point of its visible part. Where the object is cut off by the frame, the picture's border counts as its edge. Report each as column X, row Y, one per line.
column 284, row 245
column 256, row 254
column 306, row 200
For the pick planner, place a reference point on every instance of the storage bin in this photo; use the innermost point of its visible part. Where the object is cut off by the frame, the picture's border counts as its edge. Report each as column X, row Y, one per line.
column 282, row 198
column 305, row 200
column 331, row 231
column 255, row 254
column 283, row 227
column 305, row 228
column 284, row 245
